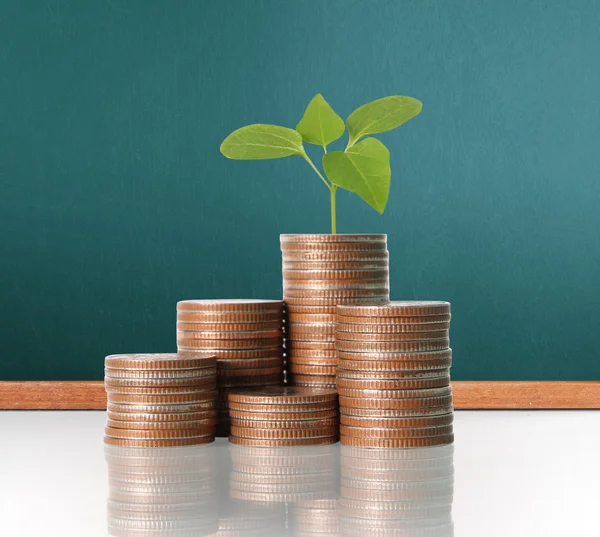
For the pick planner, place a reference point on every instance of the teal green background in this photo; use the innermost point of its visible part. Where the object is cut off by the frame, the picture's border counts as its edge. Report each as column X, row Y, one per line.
column 115, row 201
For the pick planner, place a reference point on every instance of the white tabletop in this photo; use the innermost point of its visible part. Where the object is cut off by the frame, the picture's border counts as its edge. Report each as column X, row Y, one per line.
column 510, row 473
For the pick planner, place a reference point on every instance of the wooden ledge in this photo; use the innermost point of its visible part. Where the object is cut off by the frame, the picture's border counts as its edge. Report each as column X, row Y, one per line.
column 84, row 395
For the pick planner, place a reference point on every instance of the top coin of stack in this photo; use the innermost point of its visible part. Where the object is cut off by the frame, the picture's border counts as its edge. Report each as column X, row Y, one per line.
column 160, row 400
column 246, row 336
column 394, row 374
column 319, row 272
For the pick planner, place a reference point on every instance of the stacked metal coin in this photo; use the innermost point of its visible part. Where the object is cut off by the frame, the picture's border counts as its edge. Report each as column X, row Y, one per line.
column 245, row 335
column 397, row 492
column 284, row 416
column 319, row 272
column 155, row 492
column 160, row 400
column 273, row 475
column 394, row 374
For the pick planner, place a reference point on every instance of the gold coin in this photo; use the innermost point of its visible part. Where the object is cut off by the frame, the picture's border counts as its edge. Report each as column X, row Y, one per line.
column 399, row 336
column 226, row 328
column 229, row 305
column 167, row 442
column 280, row 442
column 217, row 345
column 391, row 423
column 332, row 238
column 156, row 434
column 397, row 442
column 115, row 382
column 399, row 320
column 390, row 384
column 224, row 318
column 411, row 308
column 394, row 393
column 283, row 417
column 386, row 329
column 425, row 345
column 391, row 375
column 395, row 412
column 161, row 425
column 283, row 425
column 284, row 395
column 162, row 408
column 159, row 361
column 160, row 391
column 160, row 418
column 231, row 366
column 444, row 401
column 405, row 432
column 150, row 400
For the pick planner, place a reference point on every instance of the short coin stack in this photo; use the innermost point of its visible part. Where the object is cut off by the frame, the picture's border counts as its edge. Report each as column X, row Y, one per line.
column 397, row 492
column 245, row 335
column 165, row 491
column 394, row 374
column 284, row 416
column 160, row 400
column 319, row 272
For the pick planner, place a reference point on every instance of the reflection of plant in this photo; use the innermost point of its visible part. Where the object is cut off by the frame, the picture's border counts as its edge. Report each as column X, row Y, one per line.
column 362, row 168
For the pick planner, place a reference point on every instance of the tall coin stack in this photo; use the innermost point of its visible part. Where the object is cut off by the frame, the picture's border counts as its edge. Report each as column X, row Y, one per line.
column 394, row 374
column 397, row 492
column 284, row 416
column 245, row 335
column 161, row 492
column 319, row 272
column 160, row 400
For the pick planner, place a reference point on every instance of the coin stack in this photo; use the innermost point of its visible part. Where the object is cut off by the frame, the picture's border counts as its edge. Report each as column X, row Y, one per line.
column 245, row 335
column 397, row 492
column 276, row 475
column 284, row 416
column 394, row 374
column 319, row 272
column 160, row 400
column 156, row 492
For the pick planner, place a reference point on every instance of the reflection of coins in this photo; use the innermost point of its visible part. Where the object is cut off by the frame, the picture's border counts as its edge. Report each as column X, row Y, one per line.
column 397, row 442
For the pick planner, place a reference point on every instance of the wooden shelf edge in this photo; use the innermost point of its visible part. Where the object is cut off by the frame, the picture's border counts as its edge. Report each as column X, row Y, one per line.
column 475, row 395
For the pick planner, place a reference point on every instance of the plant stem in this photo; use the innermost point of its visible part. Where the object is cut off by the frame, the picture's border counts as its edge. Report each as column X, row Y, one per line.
column 333, row 212
column 310, row 162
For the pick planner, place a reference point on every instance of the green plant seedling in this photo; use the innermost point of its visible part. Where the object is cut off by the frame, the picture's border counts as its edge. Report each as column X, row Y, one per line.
column 363, row 167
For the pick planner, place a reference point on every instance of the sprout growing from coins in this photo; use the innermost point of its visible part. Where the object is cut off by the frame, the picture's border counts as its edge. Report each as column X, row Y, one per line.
column 363, row 167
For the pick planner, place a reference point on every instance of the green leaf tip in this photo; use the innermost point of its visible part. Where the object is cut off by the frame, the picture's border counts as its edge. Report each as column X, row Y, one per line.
column 320, row 125
column 381, row 115
column 260, row 142
column 363, row 169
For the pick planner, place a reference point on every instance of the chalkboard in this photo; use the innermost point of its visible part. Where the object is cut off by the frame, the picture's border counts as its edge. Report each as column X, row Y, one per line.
column 115, row 201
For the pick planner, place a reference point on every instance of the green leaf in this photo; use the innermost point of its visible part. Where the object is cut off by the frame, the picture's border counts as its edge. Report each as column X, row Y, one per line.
column 259, row 142
column 381, row 116
column 320, row 125
column 363, row 169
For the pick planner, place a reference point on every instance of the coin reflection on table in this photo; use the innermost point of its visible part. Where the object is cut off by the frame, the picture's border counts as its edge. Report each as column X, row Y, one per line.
column 397, row 492
column 161, row 492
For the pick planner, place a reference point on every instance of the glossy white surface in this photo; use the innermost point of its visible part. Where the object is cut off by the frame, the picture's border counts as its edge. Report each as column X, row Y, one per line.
column 516, row 473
